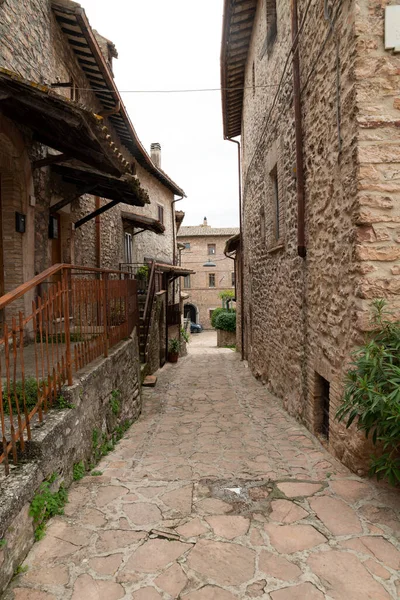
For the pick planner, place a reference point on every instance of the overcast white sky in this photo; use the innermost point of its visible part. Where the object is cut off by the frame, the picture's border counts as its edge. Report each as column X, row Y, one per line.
column 176, row 45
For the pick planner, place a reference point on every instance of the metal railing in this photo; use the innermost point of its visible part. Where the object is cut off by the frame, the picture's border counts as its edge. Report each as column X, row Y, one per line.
column 53, row 326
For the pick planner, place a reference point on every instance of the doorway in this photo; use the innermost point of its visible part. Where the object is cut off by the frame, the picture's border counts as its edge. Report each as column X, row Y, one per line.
column 190, row 312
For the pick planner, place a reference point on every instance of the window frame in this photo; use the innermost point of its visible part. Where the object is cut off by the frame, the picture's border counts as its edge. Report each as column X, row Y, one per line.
column 128, row 247
column 160, row 213
column 210, row 247
column 233, row 279
column 271, row 16
column 210, row 275
column 187, row 245
column 186, row 280
column 276, row 203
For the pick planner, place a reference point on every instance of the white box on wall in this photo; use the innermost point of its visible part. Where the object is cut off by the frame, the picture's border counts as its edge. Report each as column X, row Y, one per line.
column 392, row 28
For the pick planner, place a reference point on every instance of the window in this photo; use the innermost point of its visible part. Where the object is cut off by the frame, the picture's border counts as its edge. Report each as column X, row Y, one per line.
column 322, row 405
column 272, row 23
column 160, row 213
column 211, row 280
column 262, row 224
column 233, row 279
column 187, row 245
column 210, row 312
column 254, row 78
column 186, row 282
column 275, row 202
column 128, row 248
column 211, row 248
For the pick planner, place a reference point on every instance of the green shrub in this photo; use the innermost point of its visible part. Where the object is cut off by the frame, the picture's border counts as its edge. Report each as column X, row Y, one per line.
column 372, row 393
column 215, row 313
column 174, row 346
column 226, row 321
column 115, row 402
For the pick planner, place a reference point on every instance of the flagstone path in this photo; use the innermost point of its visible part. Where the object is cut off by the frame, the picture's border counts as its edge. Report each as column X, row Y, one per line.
column 217, row 494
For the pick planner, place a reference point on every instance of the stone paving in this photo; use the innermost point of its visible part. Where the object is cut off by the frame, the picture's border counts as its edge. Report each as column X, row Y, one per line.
column 217, row 494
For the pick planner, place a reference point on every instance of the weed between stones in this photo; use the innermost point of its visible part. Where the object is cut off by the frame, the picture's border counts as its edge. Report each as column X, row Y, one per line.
column 47, row 504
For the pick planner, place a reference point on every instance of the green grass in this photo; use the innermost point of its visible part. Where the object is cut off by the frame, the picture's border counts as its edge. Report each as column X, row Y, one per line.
column 47, row 504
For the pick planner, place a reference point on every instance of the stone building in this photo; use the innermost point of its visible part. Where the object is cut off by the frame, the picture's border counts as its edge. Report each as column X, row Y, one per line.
column 202, row 245
column 73, row 172
column 321, row 192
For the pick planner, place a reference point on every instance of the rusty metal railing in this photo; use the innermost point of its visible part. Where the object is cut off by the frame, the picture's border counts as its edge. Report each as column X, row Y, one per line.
column 53, row 326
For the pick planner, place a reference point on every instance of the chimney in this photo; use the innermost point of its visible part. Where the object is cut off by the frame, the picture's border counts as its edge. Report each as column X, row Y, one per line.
column 155, row 152
column 205, row 224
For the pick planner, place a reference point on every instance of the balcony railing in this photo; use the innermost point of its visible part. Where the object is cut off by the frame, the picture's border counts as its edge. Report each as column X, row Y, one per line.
column 75, row 315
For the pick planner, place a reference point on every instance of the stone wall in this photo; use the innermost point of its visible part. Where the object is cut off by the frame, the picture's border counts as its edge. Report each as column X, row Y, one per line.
column 157, row 334
column 304, row 317
column 204, row 298
column 225, row 338
column 66, row 438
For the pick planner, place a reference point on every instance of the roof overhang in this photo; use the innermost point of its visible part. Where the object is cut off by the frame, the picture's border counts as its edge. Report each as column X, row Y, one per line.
column 127, row 189
column 232, row 245
column 59, row 123
column 142, row 222
column 173, row 270
column 76, row 27
column 236, row 35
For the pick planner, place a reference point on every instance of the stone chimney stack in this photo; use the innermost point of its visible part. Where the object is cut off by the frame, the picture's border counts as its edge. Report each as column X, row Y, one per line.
column 155, row 152
column 205, row 224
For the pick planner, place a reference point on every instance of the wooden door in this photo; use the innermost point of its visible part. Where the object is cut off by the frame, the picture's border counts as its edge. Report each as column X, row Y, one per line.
column 1, row 260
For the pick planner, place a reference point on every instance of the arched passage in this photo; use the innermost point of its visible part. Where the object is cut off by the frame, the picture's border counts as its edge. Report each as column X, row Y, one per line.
column 191, row 312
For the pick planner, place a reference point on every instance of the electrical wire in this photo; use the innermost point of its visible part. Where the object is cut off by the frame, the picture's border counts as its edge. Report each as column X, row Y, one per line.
column 176, row 91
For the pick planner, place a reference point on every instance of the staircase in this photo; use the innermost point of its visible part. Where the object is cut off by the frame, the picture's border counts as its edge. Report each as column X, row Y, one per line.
column 145, row 309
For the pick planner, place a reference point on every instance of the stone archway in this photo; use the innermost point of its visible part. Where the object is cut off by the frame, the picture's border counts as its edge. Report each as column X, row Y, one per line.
column 190, row 312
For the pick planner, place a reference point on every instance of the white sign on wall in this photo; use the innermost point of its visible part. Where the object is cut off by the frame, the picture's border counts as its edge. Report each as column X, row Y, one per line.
column 392, row 28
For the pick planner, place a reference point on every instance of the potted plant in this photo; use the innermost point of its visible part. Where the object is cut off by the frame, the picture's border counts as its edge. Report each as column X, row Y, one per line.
column 174, row 346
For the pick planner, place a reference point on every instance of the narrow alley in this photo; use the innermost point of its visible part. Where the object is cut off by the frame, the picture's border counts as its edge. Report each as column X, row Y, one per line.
column 216, row 494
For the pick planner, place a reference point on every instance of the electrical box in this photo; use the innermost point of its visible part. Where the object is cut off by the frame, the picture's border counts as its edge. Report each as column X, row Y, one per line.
column 392, row 28
column 20, row 222
column 53, row 228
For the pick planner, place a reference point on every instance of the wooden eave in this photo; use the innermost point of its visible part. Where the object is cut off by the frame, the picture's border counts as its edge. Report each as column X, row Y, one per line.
column 236, row 35
column 127, row 189
column 75, row 26
column 59, row 123
column 143, row 222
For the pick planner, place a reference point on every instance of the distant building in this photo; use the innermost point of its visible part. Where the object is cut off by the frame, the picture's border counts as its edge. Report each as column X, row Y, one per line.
column 202, row 245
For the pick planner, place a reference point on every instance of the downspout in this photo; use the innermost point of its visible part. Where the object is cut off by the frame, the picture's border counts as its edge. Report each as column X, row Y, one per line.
column 98, row 234
column 241, row 245
column 301, row 245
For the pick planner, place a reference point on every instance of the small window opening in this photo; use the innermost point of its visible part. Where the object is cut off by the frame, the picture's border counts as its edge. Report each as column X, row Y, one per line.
column 233, row 279
column 254, row 79
column 211, row 280
column 186, row 282
column 128, row 248
column 262, row 224
column 276, row 203
column 272, row 23
column 211, row 249
column 322, row 406
column 160, row 213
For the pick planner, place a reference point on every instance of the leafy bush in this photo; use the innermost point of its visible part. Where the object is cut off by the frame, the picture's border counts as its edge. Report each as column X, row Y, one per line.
column 226, row 321
column 215, row 313
column 372, row 393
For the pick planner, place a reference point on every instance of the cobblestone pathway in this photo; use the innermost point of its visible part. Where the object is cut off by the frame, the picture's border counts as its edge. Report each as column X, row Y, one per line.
column 217, row 494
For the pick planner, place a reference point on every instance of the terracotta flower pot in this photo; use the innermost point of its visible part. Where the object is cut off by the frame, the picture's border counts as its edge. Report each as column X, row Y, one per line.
column 173, row 357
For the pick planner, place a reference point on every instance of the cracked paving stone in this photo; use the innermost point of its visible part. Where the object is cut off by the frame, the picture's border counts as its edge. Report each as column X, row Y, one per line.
column 297, row 489
column 228, row 527
column 336, row 515
column 147, row 593
column 30, row 594
column 172, row 581
column 143, row 514
column 110, row 493
column 293, row 538
column 223, row 562
column 378, row 547
column 278, row 567
column 210, row 592
column 304, row 591
column 284, row 511
column 57, row 575
column 345, row 577
column 106, row 565
column 154, row 555
column 179, row 500
column 192, row 528
column 87, row 588
column 118, row 539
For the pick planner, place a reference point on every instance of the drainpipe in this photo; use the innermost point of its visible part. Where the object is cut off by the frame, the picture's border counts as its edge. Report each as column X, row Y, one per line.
column 98, row 234
column 301, row 245
column 241, row 245
column 174, row 238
